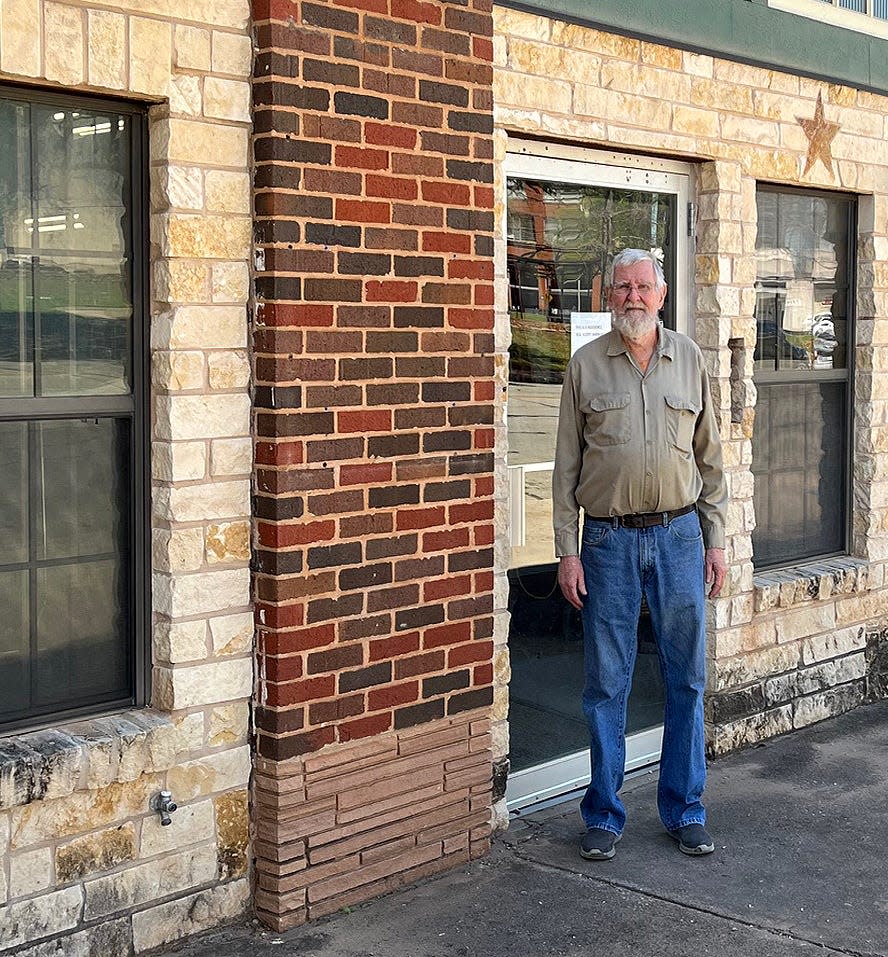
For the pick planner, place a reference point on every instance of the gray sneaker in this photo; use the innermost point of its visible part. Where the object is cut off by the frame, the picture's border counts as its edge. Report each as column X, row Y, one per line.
column 599, row 844
column 693, row 839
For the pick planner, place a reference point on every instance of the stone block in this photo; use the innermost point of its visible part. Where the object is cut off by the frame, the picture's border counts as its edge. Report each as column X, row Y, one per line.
column 177, row 641
column 515, row 23
column 186, row 98
column 181, row 281
column 203, row 593
column 192, row 824
column 758, row 727
column 805, row 622
column 178, row 461
column 30, row 872
column 528, row 92
column 27, row 921
column 207, row 775
column 95, row 852
column 227, row 99
column 202, row 416
column 192, row 47
column 175, row 740
column 177, row 371
column 106, row 51
column 44, row 821
column 150, row 46
column 176, row 187
column 826, row 704
column 213, row 237
column 843, row 641
column 232, row 634
column 231, row 54
column 211, row 683
column 233, row 825
column 177, row 549
column 191, row 141
column 63, row 50
column 229, row 542
column 228, row 192
column 193, row 503
column 228, row 370
column 109, row 939
column 231, row 456
column 229, row 724
column 143, row 883
column 190, row 915
column 20, row 41
column 201, row 327
column 230, row 282
column 753, row 666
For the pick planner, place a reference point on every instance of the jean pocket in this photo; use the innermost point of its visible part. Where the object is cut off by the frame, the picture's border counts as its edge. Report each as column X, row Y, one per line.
column 594, row 535
column 681, row 420
column 686, row 528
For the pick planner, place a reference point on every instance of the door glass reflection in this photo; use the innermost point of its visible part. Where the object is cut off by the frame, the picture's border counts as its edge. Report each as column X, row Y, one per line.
column 561, row 238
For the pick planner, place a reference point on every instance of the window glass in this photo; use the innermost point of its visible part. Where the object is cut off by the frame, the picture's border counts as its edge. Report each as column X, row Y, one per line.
column 800, row 449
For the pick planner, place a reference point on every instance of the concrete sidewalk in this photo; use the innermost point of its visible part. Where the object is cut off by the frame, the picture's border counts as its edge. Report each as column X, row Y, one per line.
column 801, row 867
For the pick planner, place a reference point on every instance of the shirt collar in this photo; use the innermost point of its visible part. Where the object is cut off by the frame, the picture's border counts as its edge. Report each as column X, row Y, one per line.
column 665, row 344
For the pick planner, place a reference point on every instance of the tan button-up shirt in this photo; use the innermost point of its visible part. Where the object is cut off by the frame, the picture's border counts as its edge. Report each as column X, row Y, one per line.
column 630, row 442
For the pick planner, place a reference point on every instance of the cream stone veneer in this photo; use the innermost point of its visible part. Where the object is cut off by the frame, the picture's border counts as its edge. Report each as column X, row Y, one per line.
column 81, row 854
column 789, row 649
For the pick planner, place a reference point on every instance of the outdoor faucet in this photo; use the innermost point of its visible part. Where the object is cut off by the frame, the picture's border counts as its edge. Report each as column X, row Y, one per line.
column 165, row 805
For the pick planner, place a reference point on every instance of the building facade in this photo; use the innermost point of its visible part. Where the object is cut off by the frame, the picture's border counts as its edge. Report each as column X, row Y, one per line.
column 286, row 293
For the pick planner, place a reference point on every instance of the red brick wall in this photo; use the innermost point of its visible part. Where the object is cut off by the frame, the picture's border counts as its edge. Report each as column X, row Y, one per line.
column 373, row 370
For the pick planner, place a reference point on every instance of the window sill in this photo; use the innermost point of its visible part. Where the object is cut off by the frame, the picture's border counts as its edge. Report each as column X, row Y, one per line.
column 814, row 581
column 88, row 755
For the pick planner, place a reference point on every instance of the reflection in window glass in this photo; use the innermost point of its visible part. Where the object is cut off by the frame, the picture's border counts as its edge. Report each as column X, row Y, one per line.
column 65, row 301
column 804, row 293
column 66, row 562
column 561, row 238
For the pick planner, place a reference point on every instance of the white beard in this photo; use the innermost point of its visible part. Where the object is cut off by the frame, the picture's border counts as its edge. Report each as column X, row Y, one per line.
column 634, row 325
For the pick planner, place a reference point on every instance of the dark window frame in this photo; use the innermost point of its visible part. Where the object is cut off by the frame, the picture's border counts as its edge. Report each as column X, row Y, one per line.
column 134, row 407
column 808, row 376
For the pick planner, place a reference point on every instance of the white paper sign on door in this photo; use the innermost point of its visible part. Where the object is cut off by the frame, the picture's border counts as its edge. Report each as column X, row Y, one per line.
column 586, row 326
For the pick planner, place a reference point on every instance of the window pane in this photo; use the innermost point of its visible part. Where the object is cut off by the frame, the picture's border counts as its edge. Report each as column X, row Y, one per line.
column 802, row 281
column 880, row 9
column 14, row 497
column 64, row 629
column 16, row 281
column 799, row 459
column 83, row 303
column 858, row 5
column 80, row 505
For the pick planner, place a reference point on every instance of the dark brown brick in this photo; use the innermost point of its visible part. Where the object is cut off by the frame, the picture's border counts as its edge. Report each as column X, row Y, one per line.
column 446, row 391
column 364, row 369
column 286, row 150
column 277, row 397
column 446, row 41
column 278, row 481
column 470, row 415
column 323, row 396
column 364, row 317
column 477, row 24
column 418, row 115
column 447, row 143
column 327, row 609
column 277, row 562
column 418, row 266
column 419, row 714
column 349, row 48
column 279, row 287
column 441, row 684
column 328, row 234
column 276, row 92
column 412, row 61
column 364, row 264
column 390, row 31
column 392, row 84
column 291, row 746
column 447, row 491
column 367, row 627
column 478, row 464
column 325, row 556
column 365, row 677
column 422, row 418
column 469, row 700
column 470, row 122
column 333, row 290
column 334, row 181
column 462, row 561
column 330, row 18
column 278, row 508
column 333, row 450
column 388, row 446
column 392, row 546
column 278, row 722
column 321, row 712
column 387, row 238
column 403, row 393
column 366, row 576
column 470, row 607
column 420, row 367
column 337, row 502
column 335, row 74
column 392, row 342
column 385, row 599
column 413, row 568
column 470, row 221
column 465, row 170
column 335, row 659
column 418, row 316
column 356, row 104
column 272, row 63
column 393, row 496
column 452, row 441
column 417, row 617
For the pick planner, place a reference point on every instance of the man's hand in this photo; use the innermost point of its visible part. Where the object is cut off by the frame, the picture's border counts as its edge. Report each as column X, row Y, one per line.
column 571, row 580
column 714, row 570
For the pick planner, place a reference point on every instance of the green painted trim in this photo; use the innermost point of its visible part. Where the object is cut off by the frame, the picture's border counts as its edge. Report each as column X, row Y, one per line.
column 744, row 30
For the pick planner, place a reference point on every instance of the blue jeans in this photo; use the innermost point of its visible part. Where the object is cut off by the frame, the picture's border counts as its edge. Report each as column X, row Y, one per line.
column 665, row 564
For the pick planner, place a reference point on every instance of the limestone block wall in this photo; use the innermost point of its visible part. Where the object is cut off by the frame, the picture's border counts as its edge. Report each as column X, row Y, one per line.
column 374, row 384
column 791, row 648
column 85, row 866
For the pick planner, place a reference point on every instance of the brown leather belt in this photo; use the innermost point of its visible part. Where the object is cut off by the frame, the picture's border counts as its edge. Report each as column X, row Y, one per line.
column 644, row 519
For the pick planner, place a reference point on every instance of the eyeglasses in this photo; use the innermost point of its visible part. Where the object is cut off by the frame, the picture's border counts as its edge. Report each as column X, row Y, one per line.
column 642, row 288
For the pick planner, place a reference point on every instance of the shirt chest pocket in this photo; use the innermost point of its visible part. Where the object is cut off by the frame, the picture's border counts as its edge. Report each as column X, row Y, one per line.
column 608, row 419
column 681, row 420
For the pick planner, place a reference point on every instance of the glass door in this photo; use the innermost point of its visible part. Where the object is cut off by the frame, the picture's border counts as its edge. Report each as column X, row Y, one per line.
column 567, row 215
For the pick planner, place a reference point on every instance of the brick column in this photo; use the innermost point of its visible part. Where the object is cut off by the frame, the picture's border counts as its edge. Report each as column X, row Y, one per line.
column 374, row 388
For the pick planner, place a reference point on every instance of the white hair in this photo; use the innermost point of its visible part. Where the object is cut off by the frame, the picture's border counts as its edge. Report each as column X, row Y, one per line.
column 629, row 257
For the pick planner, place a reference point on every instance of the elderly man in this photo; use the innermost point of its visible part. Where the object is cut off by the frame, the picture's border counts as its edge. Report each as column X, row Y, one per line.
column 638, row 450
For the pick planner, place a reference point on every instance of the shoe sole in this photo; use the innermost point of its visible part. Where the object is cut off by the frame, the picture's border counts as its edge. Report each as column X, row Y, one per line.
column 601, row 855
column 697, row 851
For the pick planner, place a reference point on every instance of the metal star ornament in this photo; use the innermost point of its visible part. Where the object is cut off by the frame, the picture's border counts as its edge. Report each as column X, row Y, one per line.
column 820, row 135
